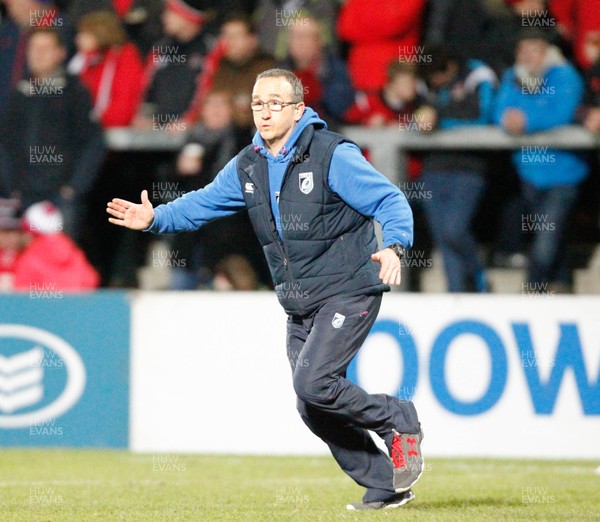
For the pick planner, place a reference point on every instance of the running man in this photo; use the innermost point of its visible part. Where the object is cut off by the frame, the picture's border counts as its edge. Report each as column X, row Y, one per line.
column 312, row 198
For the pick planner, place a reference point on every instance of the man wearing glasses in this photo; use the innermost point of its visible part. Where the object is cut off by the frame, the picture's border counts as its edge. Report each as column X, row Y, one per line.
column 312, row 198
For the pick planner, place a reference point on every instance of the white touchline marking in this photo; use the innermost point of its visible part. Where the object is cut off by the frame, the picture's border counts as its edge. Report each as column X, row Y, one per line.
column 74, row 482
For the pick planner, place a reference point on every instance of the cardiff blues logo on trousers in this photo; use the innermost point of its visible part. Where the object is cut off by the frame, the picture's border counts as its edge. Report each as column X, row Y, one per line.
column 41, row 376
column 338, row 320
column 305, row 179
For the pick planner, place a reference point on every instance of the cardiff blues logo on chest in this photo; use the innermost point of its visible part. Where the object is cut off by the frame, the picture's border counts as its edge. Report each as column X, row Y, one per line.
column 305, row 180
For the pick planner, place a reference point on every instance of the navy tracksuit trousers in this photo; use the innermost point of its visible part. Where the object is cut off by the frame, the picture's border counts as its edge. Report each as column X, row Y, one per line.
column 320, row 347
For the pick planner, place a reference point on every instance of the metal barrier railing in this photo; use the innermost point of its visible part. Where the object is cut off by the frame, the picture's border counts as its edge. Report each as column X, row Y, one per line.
column 387, row 145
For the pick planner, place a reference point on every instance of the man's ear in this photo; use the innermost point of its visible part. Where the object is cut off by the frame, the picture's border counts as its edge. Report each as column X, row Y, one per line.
column 299, row 111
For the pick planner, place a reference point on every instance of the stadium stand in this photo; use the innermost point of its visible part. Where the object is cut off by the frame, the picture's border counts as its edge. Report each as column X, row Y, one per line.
column 185, row 49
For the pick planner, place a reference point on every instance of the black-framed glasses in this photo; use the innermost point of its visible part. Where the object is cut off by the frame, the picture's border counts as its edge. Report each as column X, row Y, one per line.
column 274, row 105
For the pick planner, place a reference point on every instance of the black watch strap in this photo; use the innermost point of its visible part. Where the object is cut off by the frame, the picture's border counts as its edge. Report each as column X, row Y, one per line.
column 398, row 250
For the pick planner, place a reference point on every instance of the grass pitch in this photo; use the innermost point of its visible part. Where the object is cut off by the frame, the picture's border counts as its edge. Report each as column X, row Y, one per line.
column 81, row 486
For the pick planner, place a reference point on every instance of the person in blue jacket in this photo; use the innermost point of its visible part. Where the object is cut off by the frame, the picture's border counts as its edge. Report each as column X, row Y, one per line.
column 462, row 93
column 543, row 91
column 312, row 197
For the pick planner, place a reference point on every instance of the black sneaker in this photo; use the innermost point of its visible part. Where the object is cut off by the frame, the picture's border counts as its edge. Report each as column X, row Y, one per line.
column 396, row 501
column 405, row 452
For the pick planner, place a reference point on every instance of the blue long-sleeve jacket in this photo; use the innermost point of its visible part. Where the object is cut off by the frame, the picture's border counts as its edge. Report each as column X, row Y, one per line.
column 478, row 82
column 466, row 102
column 351, row 176
column 547, row 102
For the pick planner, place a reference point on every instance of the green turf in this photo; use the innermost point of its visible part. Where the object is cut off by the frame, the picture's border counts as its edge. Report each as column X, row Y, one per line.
column 81, row 486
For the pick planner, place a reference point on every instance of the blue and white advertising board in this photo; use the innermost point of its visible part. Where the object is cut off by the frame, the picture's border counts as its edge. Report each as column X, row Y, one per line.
column 496, row 376
column 492, row 375
column 64, row 369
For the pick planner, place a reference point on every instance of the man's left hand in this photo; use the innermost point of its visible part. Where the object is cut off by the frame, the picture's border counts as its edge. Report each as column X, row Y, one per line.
column 514, row 121
column 390, row 266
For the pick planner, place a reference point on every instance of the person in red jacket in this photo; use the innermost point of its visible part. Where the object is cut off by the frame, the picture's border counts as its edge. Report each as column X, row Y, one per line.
column 11, row 241
column 51, row 260
column 109, row 66
column 393, row 104
column 379, row 31
column 399, row 104
column 579, row 24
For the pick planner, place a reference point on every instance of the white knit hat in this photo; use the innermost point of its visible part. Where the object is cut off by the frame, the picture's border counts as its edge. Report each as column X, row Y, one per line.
column 43, row 218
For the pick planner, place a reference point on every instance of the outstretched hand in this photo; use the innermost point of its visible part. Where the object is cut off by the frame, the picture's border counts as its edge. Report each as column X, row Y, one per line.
column 131, row 215
column 390, row 266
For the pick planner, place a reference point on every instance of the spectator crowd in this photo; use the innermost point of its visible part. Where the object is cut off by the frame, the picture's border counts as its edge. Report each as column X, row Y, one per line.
column 70, row 69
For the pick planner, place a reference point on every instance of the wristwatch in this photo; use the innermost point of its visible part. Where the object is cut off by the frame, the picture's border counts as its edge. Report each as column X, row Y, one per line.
column 398, row 249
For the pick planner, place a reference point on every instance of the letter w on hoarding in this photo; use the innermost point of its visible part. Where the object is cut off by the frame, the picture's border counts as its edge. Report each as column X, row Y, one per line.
column 568, row 357
column 21, row 379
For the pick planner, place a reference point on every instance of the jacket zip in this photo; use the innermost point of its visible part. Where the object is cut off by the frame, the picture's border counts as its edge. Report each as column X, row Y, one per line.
column 286, row 176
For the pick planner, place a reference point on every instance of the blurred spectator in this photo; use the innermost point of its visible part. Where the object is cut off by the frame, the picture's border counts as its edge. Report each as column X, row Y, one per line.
column 579, row 24
column 394, row 103
column 274, row 17
column 242, row 59
column 232, row 66
column 235, row 273
column 238, row 61
column 542, row 91
column 398, row 103
column 379, row 31
column 211, row 144
column 591, row 109
column 327, row 85
column 590, row 112
column 171, row 72
column 174, row 64
column 499, row 44
column 51, row 148
column 459, row 24
column 109, row 66
column 11, row 241
column 23, row 17
column 140, row 18
column 218, row 12
column 214, row 135
column 50, row 259
column 463, row 96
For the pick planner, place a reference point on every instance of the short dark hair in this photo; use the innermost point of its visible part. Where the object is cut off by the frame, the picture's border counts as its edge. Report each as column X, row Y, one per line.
column 290, row 77
column 241, row 18
column 439, row 60
column 536, row 33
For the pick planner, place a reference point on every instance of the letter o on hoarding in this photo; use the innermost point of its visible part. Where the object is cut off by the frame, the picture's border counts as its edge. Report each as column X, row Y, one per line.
column 498, row 370
column 408, row 350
